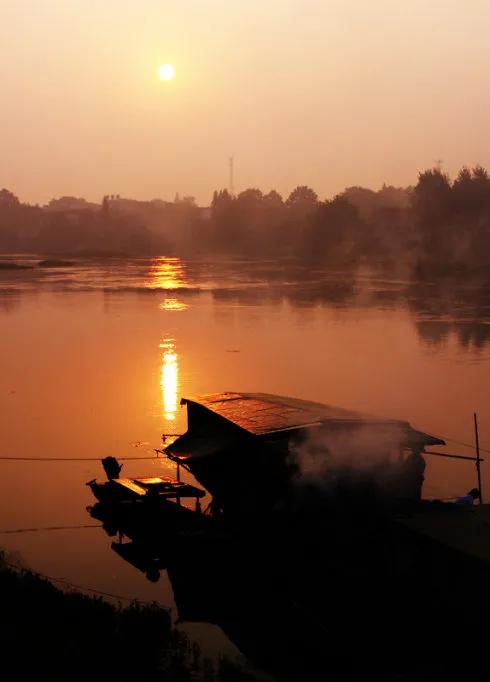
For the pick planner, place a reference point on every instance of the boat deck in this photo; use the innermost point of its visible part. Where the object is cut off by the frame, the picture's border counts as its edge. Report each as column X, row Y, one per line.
column 159, row 485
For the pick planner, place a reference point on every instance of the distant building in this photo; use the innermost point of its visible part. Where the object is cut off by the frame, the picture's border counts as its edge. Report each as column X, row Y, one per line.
column 67, row 204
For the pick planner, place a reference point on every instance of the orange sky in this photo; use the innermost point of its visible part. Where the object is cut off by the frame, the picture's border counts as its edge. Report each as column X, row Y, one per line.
column 324, row 92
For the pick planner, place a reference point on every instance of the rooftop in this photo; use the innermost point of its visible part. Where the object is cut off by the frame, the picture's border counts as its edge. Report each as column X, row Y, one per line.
column 262, row 414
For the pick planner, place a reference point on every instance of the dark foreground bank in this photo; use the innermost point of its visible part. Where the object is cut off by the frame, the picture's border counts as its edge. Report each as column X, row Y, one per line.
column 49, row 633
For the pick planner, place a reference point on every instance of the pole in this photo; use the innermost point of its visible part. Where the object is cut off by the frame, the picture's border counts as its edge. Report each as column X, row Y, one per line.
column 446, row 454
column 231, row 178
column 477, row 446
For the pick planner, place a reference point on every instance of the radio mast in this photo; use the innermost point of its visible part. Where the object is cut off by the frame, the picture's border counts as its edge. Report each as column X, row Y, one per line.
column 231, row 183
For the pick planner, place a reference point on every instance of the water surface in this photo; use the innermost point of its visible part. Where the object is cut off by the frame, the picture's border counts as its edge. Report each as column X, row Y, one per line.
column 95, row 358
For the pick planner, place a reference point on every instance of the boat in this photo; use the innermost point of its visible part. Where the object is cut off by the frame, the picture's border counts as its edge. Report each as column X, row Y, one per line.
column 254, row 451
column 274, row 462
column 289, row 557
column 144, row 489
column 146, row 506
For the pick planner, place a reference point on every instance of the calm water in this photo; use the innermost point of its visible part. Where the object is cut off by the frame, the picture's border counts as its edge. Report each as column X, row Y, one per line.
column 95, row 359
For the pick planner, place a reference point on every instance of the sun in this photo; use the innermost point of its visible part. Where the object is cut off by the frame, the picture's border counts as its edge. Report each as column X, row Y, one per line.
column 166, row 72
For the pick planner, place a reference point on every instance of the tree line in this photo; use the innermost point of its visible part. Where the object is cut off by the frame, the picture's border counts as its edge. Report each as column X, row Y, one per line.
column 438, row 223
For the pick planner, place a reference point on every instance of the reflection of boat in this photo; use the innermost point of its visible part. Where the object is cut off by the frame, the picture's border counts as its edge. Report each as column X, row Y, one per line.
column 299, row 605
column 225, row 582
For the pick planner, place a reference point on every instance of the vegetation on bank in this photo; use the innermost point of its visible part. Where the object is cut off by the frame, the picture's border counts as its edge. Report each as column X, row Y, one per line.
column 437, row 224
column 69, row 635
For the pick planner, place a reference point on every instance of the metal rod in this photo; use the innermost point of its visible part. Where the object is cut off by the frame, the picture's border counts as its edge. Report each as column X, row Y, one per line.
column 231, row 162
column 170, row 435
column 446, row 454
column 478, row 459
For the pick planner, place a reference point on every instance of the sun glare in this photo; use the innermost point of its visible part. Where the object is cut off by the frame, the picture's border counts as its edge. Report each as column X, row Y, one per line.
column 169, row 378
column 166, row 72
column 167, row 273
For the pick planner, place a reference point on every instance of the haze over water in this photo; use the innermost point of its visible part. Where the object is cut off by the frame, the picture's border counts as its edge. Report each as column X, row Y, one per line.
column 96, row 357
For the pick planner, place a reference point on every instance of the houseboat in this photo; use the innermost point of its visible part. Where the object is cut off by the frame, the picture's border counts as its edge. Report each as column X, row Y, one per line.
column 255, row 451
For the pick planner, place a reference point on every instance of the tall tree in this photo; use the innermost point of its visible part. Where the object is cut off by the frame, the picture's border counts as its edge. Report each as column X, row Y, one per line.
column 432, row 196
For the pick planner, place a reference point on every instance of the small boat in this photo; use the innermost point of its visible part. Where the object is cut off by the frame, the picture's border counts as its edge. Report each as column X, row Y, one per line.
column 150, row 489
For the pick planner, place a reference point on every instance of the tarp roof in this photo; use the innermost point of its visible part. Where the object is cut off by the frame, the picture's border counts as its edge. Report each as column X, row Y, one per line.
column 260, row 414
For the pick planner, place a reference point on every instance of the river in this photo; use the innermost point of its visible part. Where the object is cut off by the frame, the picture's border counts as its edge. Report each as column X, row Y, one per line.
column 96, row 356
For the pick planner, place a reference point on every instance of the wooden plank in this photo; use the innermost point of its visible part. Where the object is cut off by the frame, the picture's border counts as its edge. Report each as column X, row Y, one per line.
column 154, row 480
column 183, row 491
column 130, row 485
column 161, row 487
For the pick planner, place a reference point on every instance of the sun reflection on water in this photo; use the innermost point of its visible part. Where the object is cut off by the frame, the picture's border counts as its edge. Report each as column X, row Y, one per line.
column 169, row 379
column 173, row 304
column 167, row 273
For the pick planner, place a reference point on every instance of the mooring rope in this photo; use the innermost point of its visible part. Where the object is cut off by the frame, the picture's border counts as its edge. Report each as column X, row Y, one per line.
column 12, row 531
column 73, row 459
column 466, row 445
column 83, row 588
column 159, row 453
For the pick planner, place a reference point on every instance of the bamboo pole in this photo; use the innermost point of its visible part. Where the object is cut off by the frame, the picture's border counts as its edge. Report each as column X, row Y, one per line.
column 478, row 460
column 446, row 454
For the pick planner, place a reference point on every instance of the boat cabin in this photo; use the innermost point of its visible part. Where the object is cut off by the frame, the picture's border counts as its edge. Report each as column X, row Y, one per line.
column 253, row 450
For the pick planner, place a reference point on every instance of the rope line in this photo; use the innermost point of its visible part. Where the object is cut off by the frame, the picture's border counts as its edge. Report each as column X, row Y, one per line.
column 467, row 445
column 72, row 459
column 84, row 588
column 162, row 453
column 12, row 531
column 452, row 456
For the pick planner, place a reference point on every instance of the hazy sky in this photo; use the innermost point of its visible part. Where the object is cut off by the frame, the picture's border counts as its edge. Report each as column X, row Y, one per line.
column 324, row 92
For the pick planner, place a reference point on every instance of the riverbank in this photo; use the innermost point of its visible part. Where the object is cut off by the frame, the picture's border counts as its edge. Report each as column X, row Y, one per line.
column 70, row 635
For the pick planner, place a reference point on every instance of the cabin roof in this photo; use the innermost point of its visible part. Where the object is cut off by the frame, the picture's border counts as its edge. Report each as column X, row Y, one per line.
column 261, row 414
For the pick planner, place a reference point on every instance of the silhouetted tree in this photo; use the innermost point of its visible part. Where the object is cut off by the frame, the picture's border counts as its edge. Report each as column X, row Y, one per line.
column 223, row 219
column 335, row 232
column 302, row 196
column 301, row 206
column 471, row 192
column 365, row 200
column 105, row 206
column 274, row 238
column 273, row 200
column 432, row 196
column 8, row 199
column 18, row 222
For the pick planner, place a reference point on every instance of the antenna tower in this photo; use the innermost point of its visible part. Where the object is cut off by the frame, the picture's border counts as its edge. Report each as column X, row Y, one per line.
column 231, row 183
